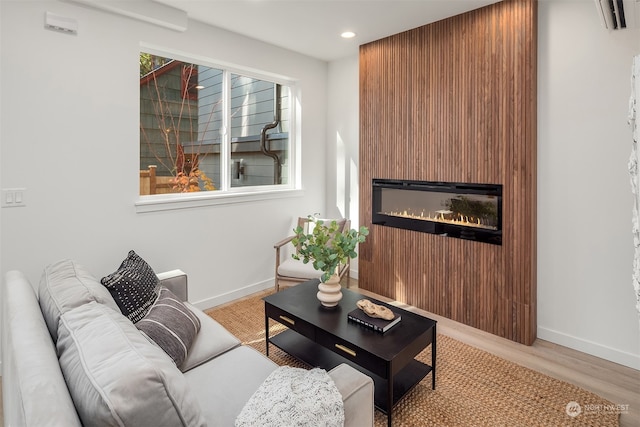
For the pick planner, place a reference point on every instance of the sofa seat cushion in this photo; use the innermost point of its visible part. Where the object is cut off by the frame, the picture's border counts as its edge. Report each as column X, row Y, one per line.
column 133, row 286
column 171, row 325
column 225, row 385
column 116, row 376
column 212, row 340
column 65, row 285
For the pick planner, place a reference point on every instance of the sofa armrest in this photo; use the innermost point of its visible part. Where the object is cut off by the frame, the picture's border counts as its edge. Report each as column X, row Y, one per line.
column 176, row 282
column 356, row 389
column 34, row 391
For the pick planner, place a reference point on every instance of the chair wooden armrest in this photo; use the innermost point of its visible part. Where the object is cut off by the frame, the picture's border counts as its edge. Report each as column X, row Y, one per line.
column 283, row 242
column 277, row 247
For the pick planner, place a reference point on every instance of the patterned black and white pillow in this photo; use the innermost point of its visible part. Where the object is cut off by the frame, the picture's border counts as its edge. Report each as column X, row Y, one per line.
column 133, row 286
column 171, row 325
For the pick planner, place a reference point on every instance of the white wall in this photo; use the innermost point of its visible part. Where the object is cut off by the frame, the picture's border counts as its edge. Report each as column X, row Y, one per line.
column 343, row 144
column 585, row 249
column 70, row 136
column 1, row 121
column 585, row 293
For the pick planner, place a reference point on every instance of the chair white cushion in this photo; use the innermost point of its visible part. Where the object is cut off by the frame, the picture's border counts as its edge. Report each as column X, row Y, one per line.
column 294, row 268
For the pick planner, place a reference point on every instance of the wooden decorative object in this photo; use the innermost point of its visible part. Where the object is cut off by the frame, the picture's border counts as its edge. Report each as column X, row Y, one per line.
column 375, row 310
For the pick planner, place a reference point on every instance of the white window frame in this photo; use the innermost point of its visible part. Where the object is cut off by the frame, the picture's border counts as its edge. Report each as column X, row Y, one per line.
column 227, row 194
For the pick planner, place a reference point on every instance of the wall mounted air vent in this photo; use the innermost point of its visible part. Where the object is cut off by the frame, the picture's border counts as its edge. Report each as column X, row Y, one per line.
column 619, row 14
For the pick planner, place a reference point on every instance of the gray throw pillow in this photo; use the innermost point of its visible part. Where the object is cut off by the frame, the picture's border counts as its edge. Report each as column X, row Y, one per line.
column 171, row 325
column 132, row 286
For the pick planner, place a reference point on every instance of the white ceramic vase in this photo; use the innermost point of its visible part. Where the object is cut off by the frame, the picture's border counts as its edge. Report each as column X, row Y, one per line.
column 330, row 292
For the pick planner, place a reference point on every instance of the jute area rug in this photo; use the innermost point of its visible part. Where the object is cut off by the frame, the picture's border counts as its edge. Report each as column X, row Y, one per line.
column 473, row 387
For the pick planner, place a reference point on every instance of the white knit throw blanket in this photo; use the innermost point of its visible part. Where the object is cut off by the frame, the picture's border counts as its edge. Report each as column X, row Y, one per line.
column 294, row 397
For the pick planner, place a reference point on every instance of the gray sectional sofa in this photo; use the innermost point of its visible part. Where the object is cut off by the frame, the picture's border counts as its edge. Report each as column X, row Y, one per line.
column 70, row 357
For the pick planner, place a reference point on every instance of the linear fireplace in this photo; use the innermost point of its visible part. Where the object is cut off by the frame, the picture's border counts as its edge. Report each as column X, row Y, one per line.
column 461, row 210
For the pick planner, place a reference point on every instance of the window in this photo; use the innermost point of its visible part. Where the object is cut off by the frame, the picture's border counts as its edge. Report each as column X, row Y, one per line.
column 209, row 129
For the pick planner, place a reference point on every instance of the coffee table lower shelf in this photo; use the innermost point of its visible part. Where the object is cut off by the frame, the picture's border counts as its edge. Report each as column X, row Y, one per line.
column 315, row 355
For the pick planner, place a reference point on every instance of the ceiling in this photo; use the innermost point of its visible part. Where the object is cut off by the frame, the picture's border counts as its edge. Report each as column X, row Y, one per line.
column 313, row 27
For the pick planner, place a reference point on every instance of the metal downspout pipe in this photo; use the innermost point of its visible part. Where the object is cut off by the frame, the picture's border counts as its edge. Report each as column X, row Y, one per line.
column 277, row 167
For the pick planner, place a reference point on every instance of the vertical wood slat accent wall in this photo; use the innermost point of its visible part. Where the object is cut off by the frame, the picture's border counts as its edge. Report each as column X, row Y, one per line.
column 455, row 101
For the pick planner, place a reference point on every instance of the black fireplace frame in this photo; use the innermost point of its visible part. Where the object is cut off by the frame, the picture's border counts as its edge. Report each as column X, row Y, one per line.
column 433, row 227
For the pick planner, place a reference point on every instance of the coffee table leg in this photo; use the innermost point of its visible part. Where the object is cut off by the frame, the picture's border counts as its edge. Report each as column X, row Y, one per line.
column 433, row 359
column 266, row 333
column 389, row 399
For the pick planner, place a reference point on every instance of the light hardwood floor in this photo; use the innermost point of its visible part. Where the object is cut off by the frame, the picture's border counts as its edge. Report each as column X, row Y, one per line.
column 614, row 382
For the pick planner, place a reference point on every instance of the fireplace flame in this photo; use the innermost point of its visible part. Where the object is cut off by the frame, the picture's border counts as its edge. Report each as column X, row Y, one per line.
column 444, row 216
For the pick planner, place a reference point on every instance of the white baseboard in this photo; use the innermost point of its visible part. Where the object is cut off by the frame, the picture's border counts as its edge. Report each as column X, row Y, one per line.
column 233, row 295
column 243, row 292
column 595, row 349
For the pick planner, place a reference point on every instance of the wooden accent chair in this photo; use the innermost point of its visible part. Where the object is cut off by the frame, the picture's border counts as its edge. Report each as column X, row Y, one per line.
column 290, row 271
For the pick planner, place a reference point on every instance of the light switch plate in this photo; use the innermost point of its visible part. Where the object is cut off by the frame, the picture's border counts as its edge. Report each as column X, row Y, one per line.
column 13, row 197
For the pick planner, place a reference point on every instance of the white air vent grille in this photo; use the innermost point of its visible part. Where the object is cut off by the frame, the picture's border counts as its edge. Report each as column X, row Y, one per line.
column 618, row 14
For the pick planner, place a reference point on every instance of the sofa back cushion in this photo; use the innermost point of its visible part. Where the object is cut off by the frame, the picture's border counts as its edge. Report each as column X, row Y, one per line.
column 116, row 376
column 65, row 285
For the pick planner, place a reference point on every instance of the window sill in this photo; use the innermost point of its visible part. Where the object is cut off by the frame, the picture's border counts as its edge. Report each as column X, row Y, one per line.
column 167, row 202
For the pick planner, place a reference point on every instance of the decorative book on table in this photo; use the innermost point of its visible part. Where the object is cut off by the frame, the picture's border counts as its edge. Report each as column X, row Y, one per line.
column 377, row 324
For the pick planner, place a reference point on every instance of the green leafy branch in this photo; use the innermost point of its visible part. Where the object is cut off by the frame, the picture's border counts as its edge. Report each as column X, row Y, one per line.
column 326, row 247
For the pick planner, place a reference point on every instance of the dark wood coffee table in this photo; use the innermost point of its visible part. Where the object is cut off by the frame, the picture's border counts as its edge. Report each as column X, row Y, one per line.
column 325, row 338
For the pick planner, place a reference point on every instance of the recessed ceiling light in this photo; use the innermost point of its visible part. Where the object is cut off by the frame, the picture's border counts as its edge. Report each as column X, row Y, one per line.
column 348, row 35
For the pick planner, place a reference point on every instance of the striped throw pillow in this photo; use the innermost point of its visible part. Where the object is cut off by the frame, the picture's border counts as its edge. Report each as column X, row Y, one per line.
column 171, row 325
